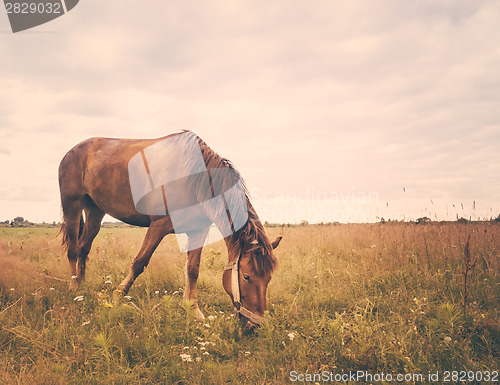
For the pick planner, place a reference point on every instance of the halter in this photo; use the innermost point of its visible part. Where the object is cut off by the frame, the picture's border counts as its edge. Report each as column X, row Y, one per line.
column 235, row 288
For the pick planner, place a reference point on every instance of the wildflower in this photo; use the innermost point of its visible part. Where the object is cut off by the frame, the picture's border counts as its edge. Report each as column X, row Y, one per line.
column 51, row 289
column 207, row 325
column 185, row 348
column 291, row 336
column 198, row 359
column 108, row 277
column 247, row 353
column 78, row 298
column 157, row 292
column 202, row 343
column 12, row 289
column 175, row 292
column 211, row 317
column 447, row 339
column 86, row 323
column 206, row 353
column 128, row 297
column 108, row 282
column 186, row 357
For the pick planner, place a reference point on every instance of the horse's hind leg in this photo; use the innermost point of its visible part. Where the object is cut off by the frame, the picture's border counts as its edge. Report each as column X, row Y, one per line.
column 157, row 230
column 93, row 218
column 72, row 211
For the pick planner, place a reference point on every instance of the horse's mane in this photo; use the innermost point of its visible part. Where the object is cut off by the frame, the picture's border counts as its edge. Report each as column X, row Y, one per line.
column 252, row 232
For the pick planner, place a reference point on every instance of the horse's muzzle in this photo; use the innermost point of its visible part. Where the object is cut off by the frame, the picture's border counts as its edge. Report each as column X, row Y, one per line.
column 248, row 326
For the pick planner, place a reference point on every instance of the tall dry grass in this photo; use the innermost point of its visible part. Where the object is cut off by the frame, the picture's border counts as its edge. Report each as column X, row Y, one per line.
column 383, row 297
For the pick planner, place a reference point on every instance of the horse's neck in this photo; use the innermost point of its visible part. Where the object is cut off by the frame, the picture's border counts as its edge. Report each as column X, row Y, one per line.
column 233, row 247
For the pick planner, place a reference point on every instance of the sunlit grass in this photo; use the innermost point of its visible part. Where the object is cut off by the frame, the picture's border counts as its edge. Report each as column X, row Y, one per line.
column 348, row 297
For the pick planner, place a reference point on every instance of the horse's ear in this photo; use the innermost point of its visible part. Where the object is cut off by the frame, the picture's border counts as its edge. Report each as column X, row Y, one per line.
column 276, row 242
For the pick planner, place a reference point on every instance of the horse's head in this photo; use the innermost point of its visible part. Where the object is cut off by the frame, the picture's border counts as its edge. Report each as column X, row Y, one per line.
column 245, row 279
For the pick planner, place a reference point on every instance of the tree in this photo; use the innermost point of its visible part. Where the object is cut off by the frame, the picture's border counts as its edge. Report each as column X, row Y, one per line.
column 423, row 220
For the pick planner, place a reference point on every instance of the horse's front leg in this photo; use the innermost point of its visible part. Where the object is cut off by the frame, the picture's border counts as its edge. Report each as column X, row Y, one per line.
column 192, row 272
column 157, row 230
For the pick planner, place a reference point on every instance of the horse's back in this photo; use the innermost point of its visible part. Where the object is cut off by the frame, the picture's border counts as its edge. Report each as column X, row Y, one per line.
column 98, row 168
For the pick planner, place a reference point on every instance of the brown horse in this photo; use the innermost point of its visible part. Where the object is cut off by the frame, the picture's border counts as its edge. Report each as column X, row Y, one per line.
column 98, row 177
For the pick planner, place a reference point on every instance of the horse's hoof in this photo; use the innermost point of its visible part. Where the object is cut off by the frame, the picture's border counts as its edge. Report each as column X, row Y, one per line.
column 198, row 314
column 117, row 297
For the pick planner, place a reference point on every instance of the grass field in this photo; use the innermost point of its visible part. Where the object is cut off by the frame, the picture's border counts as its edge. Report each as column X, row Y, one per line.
column 378, row 298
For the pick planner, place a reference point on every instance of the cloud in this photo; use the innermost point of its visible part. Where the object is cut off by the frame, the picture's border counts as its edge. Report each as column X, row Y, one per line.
column 374, row 95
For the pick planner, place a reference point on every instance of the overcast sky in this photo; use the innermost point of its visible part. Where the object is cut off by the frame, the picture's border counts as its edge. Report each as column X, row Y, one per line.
column 331, row 110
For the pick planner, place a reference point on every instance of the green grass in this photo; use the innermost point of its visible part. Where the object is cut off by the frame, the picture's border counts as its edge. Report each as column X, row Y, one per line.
column 382, row 298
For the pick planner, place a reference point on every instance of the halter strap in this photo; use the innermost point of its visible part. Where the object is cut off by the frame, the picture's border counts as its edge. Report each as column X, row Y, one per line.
column 235, row 288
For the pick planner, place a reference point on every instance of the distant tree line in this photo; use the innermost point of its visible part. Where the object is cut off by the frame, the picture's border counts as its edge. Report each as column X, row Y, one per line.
column 21, row 222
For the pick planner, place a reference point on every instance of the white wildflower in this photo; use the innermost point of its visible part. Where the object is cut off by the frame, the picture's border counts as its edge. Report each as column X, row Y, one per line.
column 198, row 359
column 51, row 289
column 447, row 339
column 206, row 353
column 186, row 357
column 291, row 336
column 78, row 298
column 247, row 353
column 86, row 323
column 207, row 325
column 157, row 292
column 108, row 282
column 211, row 317
column 128, row 297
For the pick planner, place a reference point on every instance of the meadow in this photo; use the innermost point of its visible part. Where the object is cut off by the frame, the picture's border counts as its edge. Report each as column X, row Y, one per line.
column 393, row 298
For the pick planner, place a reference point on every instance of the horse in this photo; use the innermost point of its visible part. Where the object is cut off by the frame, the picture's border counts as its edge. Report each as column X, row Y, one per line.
column 175, row 184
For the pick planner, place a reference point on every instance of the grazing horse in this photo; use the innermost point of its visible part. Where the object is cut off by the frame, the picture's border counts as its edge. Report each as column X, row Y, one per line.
column 174, row 184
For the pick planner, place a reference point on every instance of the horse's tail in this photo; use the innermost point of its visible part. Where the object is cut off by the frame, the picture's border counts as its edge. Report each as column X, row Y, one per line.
column 64, row 231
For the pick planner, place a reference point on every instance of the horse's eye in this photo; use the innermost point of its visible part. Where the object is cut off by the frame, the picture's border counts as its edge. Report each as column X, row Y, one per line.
column 246, row 277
